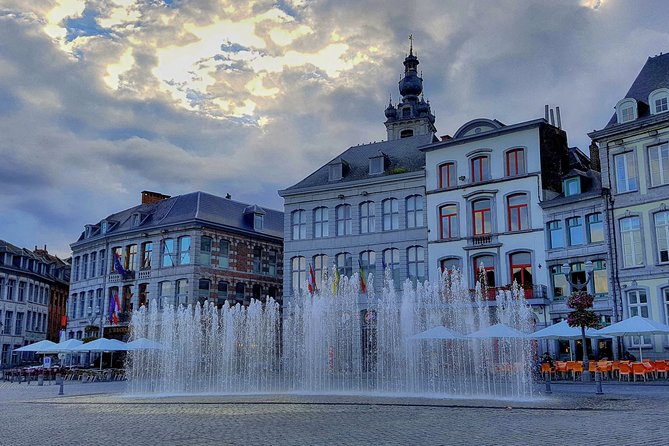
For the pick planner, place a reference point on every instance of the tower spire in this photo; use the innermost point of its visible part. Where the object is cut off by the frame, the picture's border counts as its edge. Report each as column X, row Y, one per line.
column 411, row 44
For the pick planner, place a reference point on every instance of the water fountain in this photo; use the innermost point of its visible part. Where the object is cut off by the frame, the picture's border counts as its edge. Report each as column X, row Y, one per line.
column 326, row 343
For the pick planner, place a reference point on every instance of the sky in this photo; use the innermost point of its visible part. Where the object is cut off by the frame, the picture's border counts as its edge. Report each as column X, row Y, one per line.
column 100, row 100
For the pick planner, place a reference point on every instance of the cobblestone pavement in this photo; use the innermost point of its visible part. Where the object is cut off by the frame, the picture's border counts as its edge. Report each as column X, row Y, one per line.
column 99, row 414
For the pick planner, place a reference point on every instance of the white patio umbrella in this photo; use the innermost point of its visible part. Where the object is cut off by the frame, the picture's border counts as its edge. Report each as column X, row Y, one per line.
column 63, row 347
column 635, row 326
column 497, row 331
column 36, row 347
column 144, row 344
column 102, row 345
column 438, row 332
column 562, row 330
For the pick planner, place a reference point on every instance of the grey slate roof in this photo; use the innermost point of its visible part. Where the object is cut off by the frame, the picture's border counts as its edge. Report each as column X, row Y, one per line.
column 401, row 153
column 653, row 75
column 199, row 206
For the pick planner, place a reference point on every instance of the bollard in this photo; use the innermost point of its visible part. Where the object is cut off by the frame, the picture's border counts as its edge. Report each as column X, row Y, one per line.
column 40, row 379
column 59, row 380
column 548, row 382
column 598, row 383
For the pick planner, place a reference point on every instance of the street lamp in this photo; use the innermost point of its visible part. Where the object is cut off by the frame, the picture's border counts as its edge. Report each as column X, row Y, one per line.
column 579, row 287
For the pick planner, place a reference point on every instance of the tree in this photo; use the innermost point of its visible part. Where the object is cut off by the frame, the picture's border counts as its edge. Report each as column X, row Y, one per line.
column 583, row 317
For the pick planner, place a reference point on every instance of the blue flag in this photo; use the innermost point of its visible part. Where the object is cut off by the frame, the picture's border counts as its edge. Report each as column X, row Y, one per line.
column 117, row 264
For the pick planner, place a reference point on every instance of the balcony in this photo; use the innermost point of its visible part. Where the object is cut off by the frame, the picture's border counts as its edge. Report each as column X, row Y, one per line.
column 144, row 274
column 534, row 294
column 126, row 277
column 482, row 241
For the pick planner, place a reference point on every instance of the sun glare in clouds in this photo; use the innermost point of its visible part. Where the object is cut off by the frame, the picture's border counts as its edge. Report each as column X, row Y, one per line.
column 592, row 4
column 114, row 71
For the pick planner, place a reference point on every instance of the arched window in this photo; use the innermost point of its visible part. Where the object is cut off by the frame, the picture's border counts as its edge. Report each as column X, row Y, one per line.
column 414, row 209
column 515, row 162
column 321, row 222
column 658, row 101
column 368, row 263
column 367, row 217
column 480, row 168
column 482, row 216
column 521, row 268
column 416, row 263
column 298, row 273
column 449, row 264
column 391, row 214
column 391, row 260
column 344, row 264
column 240, row 291
column 320, row 267
column 448, row 221
column 205, row 250
column 298, row 224
column 517, row 212
column 555, row 234
column 344, row 222
column 662, row 235
column 658, row 160
column 447, row 175
column 222, row 292
column 181, row 296
column 595, row 227
column 203, row 290
column 575, row 231
column 484, row 265
column 224, row 254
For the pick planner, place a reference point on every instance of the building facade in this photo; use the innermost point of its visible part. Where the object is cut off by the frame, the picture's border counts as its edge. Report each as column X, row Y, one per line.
column 178, row 250
column 484, row 186
column 576, row 234
column 28, row 280
column 365, row 208
column 634, row 154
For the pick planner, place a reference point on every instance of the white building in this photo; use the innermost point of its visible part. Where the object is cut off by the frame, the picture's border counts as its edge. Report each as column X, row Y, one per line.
column 483, row 188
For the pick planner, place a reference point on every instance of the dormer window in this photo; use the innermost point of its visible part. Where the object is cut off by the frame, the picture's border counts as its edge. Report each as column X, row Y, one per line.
column 88, row 231
column 626, row 110
column 377, row 164
column 258, row 221
column 406, row 133
column 337, row 169
column 136, row 220
column 572, row 186
column 104, row 227
column 659, row 101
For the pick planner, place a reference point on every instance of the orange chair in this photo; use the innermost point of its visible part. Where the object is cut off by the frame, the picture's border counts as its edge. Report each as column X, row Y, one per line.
column 624, row 370
column 638, row 369
column 592, row 366
column 546, row 368
column 577, row 368
column 661, row 368
column 561, row 368
column 650, row 369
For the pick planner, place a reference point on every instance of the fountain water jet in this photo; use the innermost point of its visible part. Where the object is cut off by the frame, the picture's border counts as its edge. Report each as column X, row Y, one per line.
column 326, row 343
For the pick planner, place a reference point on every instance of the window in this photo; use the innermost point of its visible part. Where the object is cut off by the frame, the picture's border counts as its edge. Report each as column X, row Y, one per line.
column 272, row 263
column 257, row 259
column 84, row 267
column 482, row 216
column 344, row 264
column 89, row 304
column 203, row 290
column 517, row 212
column 73, row 306
column 205, row 250
column 184, row 250
column 521, row 268
column 626, row 174
column 449, row 264
column 165, row 292
column 484, row 267
column 599, row 278
column 515, row 162
column 627, row 113
column 630, row 232
column 658, row 159
column 168, row 252
column 661, row 105
column 391, row 260
column 367, row 217
column 555, row 234
column 414, row 208
column 130, row 259
column 320, row 268
column 406, row 133
column 98, row 298
column 335, row 171
column 222, row 292
column 75, row 269
column 416, row 263
column 480, row 169
column 368, row 264
column 181, row 296
column 240, row 291
column 662, row 235
column 256, row 292
column 224, row 254
column 658, row 101
column 344, row 223
column 376, row 165
column 575, row 231
column 448, row 222
column 93, row 264
column 8, row 322
column 299, row 224
column 31, row 288
column 22, row 292
column 595, row 227
column 447, row 175
column 18, row 326
column 665, row 293
column 572, row 186
column 2, row 286
column 558, row 282
column 143, row 295
column 258, row 221
column 321, row 222
column 147, row 249
column 102, row 262
column 10, row 289
column 298, row 273
column 638, row 306
column 82, row 304
column 391, row 214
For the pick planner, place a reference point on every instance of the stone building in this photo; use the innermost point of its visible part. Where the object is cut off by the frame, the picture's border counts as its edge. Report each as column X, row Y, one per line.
column 178, row 250
column 365, row 208
column 634, row 155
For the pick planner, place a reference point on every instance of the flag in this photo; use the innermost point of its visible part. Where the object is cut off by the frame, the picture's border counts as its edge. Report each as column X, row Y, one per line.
column 363, row 285
column 117, row 264
column 112, row 310
column 312, row 280
column 335, row 281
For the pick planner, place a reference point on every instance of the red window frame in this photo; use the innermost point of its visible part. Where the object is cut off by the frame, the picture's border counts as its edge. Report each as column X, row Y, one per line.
column 517, row 209
column 513, row 157
column 446, row 168
column 480, row 213
column 487, row 269
column 452, row 218
column 477, row 167
column 522, row 267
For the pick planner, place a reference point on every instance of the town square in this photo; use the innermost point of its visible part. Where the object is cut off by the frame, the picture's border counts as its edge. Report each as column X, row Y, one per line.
column 315, row 222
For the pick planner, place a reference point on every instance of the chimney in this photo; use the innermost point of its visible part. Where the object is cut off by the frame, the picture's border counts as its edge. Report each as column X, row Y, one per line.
column 149, row 197
column 594, row 157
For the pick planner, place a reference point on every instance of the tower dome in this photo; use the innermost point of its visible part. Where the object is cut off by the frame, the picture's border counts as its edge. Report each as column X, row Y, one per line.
column 390, row 112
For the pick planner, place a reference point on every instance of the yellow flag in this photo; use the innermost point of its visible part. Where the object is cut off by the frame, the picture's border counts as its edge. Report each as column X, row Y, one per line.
column 335, row 281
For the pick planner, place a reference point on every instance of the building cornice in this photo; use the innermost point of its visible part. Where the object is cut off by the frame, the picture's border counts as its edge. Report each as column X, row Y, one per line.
column 385, row 179
column 639, row 124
